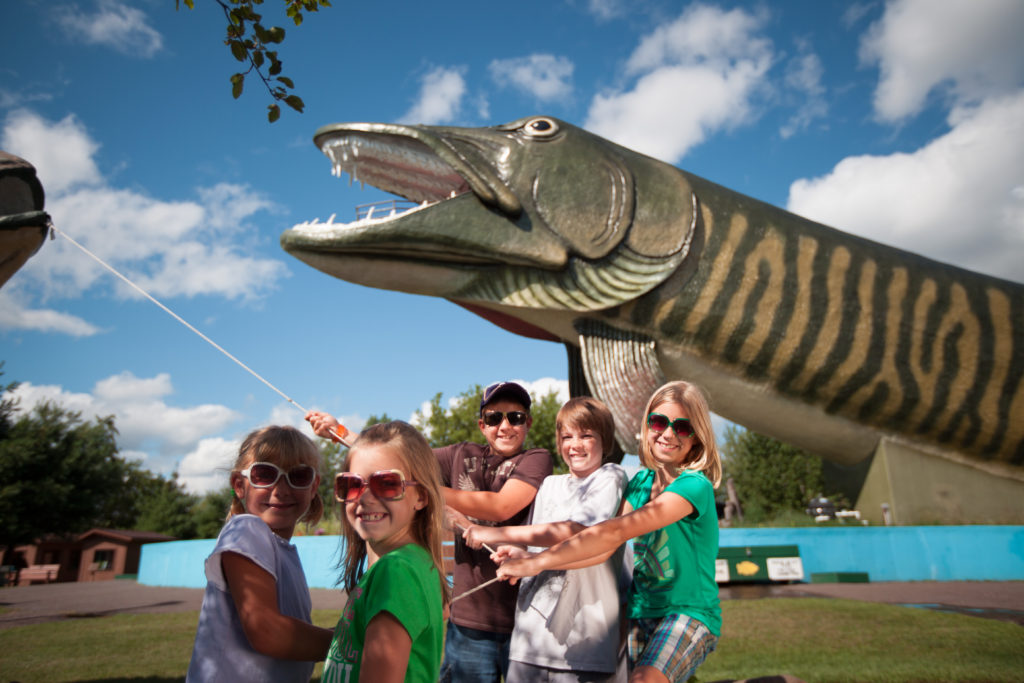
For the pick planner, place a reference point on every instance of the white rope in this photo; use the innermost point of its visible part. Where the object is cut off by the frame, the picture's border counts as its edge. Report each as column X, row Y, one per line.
column 175, row 316
column 482, row 585
column 474, row 590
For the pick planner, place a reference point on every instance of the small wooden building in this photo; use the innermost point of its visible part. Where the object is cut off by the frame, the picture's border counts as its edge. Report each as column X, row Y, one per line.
column 107, row 553
column 96, row 555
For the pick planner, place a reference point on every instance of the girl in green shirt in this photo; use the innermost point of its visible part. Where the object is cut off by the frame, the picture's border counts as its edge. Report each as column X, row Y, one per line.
column 669, row 509
column 392, row 627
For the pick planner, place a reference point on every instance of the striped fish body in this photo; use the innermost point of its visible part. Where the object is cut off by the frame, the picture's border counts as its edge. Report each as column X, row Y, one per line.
column 829, row 341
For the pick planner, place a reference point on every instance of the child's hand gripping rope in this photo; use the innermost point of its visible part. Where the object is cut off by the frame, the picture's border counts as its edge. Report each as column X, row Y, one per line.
column 482, row 585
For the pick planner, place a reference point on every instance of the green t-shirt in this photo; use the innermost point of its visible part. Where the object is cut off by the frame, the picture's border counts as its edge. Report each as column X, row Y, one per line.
column 674, row 567
column 405, row 584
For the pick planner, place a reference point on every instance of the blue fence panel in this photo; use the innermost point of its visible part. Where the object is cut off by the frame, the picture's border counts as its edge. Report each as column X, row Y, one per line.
column 181, row 563
column 924, row 553
column 320, row 556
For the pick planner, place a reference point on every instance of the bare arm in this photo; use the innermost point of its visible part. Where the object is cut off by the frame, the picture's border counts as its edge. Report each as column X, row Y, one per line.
column 386, row 650
column 269, row 632
column 592, row 545
column 493, row 506
column 543, row 535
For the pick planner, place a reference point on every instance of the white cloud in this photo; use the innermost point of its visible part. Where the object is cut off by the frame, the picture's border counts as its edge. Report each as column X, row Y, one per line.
column 694, row 76
column 179, row 248
column 606, row 9
column 158, row 434
column 440, row 97
column 126, row 388
column 856, row 11
column 285, row 414
column 114, row 24
column 803, row 77
column 545, row 385
column 168, row 248
column 703, row 34
column 13, row 99
column 959, row 199
column 15, row 316
column 546, row 77
column 62, row 152
column 206, row 467
column 971, row 50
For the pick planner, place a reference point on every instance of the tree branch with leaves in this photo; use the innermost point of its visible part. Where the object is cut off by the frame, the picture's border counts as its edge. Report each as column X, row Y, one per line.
column 251, row 42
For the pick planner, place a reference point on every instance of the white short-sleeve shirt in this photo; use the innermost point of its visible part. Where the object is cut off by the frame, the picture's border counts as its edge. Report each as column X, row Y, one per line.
column 570, row 619
column 222, row 652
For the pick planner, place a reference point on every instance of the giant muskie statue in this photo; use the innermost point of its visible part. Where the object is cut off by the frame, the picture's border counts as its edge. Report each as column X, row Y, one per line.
column 824, row 340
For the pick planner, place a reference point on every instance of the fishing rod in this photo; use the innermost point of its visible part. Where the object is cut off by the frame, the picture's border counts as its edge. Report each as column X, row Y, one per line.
column 339, row 433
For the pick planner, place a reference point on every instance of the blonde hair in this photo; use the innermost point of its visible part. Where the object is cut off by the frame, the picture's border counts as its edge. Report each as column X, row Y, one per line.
column 285, row 447
column 703, row 455
column 419, row 465
column 585, row 412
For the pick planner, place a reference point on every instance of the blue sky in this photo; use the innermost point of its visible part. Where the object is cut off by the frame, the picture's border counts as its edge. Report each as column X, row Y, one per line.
column 901, row 121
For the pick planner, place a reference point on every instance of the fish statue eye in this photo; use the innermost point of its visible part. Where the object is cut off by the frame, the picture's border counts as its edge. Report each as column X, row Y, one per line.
column 541, row 127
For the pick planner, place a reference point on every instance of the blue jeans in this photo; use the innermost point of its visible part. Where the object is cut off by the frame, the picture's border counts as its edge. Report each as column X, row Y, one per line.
column 473, row 656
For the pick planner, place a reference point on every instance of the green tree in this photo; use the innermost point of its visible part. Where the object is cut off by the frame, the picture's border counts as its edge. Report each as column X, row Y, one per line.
column 7, row 405
column 167, row 508
column 58, row 474
column 210, row 512
column 250, row 41
column 544, row 410
column 771, row 477
column 445, row 426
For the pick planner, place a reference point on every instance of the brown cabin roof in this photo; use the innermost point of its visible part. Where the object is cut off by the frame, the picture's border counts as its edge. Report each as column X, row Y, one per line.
column 128, row 535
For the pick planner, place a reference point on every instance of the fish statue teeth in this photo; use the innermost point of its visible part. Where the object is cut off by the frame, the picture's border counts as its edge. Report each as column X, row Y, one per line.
column 822, row 339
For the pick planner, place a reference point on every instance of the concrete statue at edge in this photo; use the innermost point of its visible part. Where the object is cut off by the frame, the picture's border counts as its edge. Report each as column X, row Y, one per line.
column 23, row 223
column 863, row 354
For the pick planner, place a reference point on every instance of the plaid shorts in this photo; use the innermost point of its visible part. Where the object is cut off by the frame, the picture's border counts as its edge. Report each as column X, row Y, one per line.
column 674, row 645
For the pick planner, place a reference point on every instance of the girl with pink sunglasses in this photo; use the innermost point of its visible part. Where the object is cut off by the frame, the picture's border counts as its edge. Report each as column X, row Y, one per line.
column 392, row 628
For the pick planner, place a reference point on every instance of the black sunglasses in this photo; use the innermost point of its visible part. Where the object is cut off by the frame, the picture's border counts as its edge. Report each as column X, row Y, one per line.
column 493, row 418
column 387, row 485
column 263, row 475
column 681, row 425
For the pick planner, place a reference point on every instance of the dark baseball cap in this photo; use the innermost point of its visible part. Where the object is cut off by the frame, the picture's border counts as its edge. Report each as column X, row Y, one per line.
column 505, row 390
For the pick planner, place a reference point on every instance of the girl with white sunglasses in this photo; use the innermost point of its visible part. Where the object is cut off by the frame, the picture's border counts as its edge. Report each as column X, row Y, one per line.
column 255, row 620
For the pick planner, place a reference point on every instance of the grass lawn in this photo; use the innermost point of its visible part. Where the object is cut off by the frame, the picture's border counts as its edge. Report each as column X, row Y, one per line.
column 815, row 639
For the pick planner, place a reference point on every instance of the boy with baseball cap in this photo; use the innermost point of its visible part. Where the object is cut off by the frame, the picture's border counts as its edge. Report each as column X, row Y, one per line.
column 493, row 484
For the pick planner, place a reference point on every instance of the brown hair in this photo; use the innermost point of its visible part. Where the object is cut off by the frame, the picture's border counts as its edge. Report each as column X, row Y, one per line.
column 585, row 412
column 421, row 466
column 703, row 456
column 285, row 447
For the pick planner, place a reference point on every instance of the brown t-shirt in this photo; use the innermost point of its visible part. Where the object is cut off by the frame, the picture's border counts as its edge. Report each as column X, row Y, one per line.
column 469, row 466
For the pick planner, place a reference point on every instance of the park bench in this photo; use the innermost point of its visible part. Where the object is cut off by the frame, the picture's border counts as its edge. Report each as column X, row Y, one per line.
column 38, row 573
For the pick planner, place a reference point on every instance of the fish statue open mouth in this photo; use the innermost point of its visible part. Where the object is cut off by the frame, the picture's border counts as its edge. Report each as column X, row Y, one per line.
column 488, row 227
column 822, row 339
